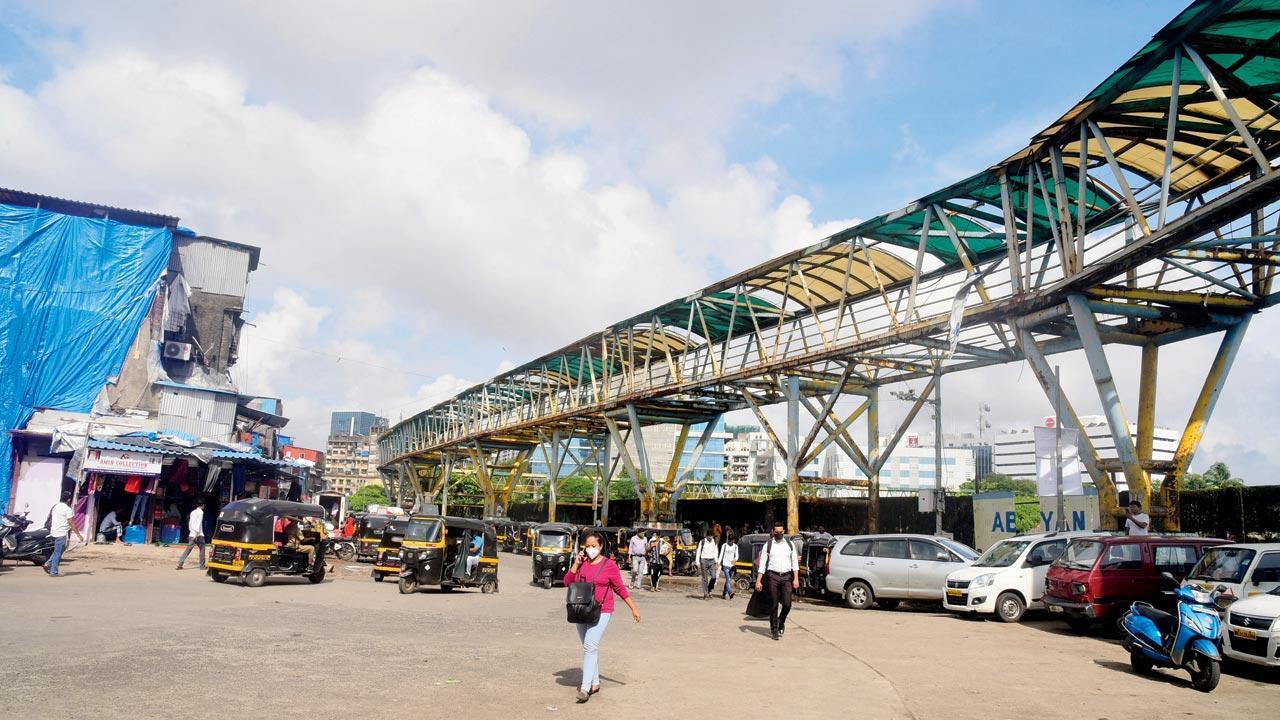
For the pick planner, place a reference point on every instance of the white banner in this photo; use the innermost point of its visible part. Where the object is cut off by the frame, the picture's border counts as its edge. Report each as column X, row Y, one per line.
column 1046, row 478
column 121, row 462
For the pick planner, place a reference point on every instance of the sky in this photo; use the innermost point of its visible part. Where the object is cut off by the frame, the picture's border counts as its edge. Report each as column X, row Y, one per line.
column 442, row 190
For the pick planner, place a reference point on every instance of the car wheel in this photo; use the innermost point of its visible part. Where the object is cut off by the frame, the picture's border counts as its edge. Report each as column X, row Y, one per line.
column 255, row 577
column 1142, row 664
column 1010, row 607
column 887, row 604
column 1079, row 624
column 858, row 595
column 408, row 584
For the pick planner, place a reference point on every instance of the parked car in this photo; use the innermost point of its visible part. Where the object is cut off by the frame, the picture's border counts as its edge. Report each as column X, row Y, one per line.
column 1008, row 579
column 1247, row 569
column 1098, row 577
column 887, row 569
column 1252, row 630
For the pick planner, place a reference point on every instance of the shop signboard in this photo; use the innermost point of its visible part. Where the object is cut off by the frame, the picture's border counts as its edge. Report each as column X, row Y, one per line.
column 994, row 518
column 1081, row 512
column 122, row 462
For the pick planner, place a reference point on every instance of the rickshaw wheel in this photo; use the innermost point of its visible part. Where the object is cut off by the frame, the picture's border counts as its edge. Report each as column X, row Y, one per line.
column 346, row 553
column 377, row 577
column 741, row 584
column 316, row 577
column 218, row 577
column 489, row 586
column 255, row 577
column 408, row 585
column 546, row 583
column 446, row 588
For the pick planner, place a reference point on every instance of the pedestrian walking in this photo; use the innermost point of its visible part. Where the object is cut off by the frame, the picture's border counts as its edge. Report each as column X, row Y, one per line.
column 728, row 558
column 60, row 523
column 636, row 550
column 659, row 556
column 195, row 535
column 777, row 575
column 706, row 557
column 592, row 566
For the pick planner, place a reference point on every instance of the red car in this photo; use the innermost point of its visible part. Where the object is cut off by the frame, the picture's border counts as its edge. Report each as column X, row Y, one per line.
column 1099, row 577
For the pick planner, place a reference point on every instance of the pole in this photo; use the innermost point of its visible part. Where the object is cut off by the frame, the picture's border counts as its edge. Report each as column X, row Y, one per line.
column 595, row 486
column 1057, row 442
column 937, row 452
column 793, row 450
column 448, row 475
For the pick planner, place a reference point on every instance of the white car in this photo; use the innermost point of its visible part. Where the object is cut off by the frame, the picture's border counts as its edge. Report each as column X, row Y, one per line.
column 887, row 569
column 1008, row 579
column 1246, row 569
column 1252, row 630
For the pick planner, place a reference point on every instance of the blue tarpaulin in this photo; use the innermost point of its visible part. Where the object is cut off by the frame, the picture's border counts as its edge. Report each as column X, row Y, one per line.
column 73, row 292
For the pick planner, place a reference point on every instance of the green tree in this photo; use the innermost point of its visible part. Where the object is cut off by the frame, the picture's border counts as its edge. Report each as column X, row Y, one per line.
column 622, row 489
column 366, row 496
column 999, row 482
column 1217, row 476
column 576, row 488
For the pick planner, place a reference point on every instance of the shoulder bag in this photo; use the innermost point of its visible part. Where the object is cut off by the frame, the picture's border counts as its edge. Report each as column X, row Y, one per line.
column 580, row 601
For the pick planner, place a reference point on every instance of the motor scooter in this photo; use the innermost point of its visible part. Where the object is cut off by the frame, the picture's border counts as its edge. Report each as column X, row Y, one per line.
column 1188, row 638
column 18, row 543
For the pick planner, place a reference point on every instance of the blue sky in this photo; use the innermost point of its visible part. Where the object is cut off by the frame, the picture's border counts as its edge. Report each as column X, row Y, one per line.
column 445, row 189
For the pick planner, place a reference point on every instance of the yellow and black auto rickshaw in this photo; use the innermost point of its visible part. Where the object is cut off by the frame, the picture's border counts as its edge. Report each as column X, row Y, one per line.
column 506, row 531
column 448, row 552
column 252, row 540
column 684, row 553
column 553, row 547
column 749, row 548
column 814, row 556
column 369, row 535
column 525, row 534
column 387, row 562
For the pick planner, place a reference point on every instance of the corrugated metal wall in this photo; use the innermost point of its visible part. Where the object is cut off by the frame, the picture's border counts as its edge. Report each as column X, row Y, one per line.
column 203, row 414
column 214, row 268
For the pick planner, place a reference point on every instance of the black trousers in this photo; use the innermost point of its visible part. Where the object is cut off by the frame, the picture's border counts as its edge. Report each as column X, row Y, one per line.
column 777, row 587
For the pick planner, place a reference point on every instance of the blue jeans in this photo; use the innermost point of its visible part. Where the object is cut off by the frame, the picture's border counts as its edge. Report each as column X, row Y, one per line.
column 727, row 573
column 591, row 636
column 59, row 545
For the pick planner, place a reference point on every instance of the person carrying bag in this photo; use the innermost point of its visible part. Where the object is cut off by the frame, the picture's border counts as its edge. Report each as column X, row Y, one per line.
column 590, row 586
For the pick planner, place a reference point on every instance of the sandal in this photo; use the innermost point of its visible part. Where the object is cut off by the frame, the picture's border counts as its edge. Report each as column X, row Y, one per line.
column 583, row 696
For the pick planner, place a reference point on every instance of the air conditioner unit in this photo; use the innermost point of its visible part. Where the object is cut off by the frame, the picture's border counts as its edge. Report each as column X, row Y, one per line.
column 177, row 351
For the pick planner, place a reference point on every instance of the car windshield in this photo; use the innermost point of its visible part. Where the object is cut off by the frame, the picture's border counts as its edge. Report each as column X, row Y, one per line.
column 1002, row 554
column 553, row 540
column 959, row 548
column 1223, row 565
column 423, row 530
column 1080, row 554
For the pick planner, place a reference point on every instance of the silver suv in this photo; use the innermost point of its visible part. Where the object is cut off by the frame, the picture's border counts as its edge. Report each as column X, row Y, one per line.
column 886, row 569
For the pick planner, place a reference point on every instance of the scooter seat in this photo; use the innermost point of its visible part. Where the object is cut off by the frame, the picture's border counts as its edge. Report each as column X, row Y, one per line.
column 30, row 535
column 1162, row 619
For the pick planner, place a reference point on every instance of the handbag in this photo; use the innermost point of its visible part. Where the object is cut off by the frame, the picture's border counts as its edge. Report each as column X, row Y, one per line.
column 580, row 601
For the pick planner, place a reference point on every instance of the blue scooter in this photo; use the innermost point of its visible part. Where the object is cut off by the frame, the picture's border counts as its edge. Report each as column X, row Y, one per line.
column 1189, row 639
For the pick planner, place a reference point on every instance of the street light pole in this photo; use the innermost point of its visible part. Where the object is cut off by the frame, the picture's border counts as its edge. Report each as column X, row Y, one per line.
column 937, row 452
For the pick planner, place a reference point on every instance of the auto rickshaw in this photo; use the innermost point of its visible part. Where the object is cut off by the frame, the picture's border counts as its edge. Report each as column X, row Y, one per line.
column 613, row 544
column 448, row 552
column 525, row 532
column 503, row 529
column 813, row 564
column 553, row 546
column 387, row 563
column 249, row 542
column 369, row 535
column 684, row 553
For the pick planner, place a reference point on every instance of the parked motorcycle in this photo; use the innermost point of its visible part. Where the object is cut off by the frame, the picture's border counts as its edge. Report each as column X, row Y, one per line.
column 1187, row 639
column 344, row 549
column 17, row 543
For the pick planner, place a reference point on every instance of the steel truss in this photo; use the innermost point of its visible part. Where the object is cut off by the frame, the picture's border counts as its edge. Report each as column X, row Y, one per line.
column 1144, row 216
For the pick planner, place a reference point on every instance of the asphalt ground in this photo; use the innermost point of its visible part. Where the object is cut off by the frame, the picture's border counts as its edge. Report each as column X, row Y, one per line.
column 123, row 635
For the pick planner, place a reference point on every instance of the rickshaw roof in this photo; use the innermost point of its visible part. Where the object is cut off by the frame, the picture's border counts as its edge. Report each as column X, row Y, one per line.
column 397, row 525
column 555, row 527
column 257, row 509
column 457, row 522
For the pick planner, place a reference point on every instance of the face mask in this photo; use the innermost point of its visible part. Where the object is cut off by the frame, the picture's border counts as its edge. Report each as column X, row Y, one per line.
column 777, row 535
column 593, row 552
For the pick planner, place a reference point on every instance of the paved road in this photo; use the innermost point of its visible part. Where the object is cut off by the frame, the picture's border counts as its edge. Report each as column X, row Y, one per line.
column 122, row 637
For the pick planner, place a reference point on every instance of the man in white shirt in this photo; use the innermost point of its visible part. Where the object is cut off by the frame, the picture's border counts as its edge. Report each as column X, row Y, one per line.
column 778, row 573
column 706, row 557
column 60, row 523
column 727, row 558
column 635, row 553
column 195, row 535
column 1137, row 522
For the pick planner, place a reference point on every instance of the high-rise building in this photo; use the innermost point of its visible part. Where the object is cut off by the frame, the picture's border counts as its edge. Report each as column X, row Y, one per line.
column 354, row 422
column 910, row 467
column 1014, row 449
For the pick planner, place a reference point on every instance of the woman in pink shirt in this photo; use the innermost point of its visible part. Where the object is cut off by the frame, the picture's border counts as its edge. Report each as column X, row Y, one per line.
column 602, row 572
